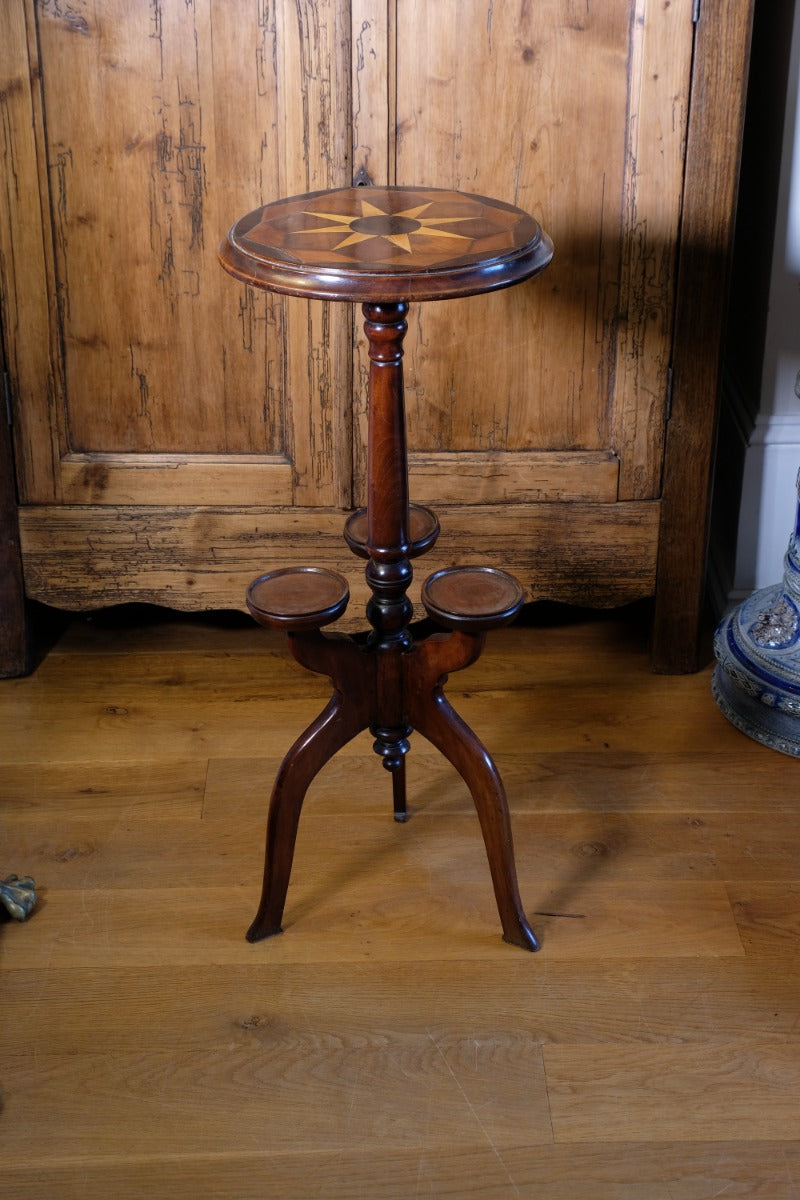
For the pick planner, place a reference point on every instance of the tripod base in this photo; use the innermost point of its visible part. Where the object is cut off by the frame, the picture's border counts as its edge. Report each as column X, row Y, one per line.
column 390, row 689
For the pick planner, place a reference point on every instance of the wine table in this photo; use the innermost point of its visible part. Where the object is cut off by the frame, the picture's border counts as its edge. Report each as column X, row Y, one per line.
column 385, row 248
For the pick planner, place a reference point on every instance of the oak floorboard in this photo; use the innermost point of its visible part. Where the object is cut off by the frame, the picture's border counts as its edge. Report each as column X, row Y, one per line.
column 389, row 1044
column 589, row 1002
column 611, row 848
column 134, row 635
column 661, row 1171
column 218, row 720
column 637, row 781
column 768, row 917
column 413, row 1091
column 348, row 914
column 675, row 1093
column 141, row 633
column 49, row 792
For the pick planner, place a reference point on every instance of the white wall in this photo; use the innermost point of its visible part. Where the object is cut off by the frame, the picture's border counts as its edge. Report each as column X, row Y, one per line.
column 769, row 496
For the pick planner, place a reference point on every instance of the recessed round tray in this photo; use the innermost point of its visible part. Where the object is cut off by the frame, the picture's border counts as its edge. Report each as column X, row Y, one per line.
column 423, row 531
column 472, row 598
column 297, row 598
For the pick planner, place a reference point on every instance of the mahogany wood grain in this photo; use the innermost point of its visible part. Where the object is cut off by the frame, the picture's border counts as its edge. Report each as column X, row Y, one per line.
column 389, row 571
column 431, row 713
column 345, row 715
column 472, row 598
column 381, row 244
column 297, row 598
column 423, row 530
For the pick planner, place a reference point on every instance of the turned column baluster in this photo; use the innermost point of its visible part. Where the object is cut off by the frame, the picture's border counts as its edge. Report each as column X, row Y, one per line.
column 389, row 571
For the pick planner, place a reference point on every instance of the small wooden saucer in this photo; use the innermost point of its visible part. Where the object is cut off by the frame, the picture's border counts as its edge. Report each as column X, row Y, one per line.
column 423, row 531
column 472, row 598
column 298, row 598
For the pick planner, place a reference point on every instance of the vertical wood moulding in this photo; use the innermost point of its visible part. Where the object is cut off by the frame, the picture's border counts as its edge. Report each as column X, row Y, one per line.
column 719, row 88
column 26, row 278
column 656, row 139
column 50, row 434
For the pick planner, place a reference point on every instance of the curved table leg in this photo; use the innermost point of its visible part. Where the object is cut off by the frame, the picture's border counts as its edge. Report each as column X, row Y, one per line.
column 433, row 716
column 336, row 725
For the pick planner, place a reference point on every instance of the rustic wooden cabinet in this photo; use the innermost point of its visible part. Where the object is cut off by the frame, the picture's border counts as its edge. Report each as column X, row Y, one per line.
column 176, row 433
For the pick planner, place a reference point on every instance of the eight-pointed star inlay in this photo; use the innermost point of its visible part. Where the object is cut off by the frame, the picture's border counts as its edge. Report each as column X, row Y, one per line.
column 397, row 228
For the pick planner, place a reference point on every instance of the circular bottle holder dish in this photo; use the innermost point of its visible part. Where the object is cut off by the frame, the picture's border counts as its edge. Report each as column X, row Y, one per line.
column 298, row 598
column 423, row 531
column 472, row 598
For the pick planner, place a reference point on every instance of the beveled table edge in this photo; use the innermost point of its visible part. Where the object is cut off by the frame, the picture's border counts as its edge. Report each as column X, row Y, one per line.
column 316, row 282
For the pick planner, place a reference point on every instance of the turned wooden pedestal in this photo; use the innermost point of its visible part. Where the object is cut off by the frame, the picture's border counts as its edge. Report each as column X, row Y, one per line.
column 385, row 247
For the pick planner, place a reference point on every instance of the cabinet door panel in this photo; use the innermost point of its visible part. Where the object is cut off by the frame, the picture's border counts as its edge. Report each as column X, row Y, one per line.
column 164, row 123
column 576, row 112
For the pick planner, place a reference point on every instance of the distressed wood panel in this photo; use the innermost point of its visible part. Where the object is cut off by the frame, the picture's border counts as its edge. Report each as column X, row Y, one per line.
column 88, row 557
column 587, row 130
column 27, row 305
column 316, row 146
column 149, row 159
column 175, row 479
column 660, row 71
column 372, row 100
column 134, row 224
column 475, row 478
column 530, row 368
column 247, row 149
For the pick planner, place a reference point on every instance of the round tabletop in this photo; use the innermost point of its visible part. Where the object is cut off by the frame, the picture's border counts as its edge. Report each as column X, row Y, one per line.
column 385, row 244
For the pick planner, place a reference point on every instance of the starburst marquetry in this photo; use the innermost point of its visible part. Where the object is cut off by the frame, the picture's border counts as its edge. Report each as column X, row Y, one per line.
column 397, row 228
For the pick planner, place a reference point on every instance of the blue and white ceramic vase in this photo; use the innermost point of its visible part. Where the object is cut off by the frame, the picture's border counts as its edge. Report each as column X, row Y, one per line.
column 756, row 681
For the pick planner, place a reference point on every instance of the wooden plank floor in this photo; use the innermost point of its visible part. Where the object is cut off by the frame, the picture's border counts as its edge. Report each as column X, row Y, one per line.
column 390, row 1044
